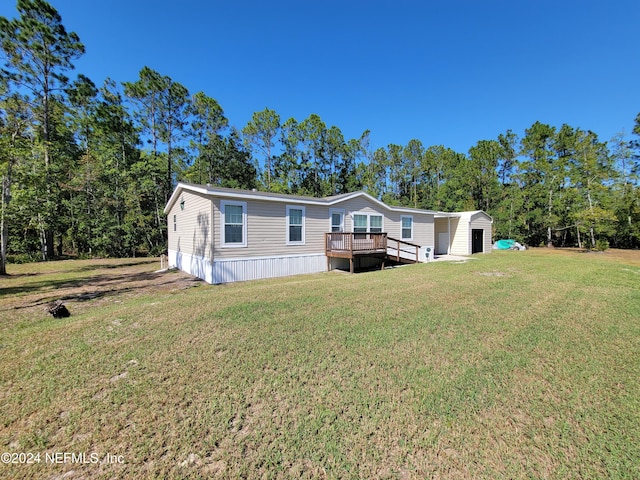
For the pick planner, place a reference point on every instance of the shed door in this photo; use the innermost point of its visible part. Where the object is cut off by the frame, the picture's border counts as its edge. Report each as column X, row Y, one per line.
column 477, row 240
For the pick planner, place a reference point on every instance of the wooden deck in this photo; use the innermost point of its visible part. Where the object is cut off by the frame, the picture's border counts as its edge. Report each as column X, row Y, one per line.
column 378, row 245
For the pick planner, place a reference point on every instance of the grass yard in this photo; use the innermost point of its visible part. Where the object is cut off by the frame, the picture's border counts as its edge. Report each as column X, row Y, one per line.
column 512, row 365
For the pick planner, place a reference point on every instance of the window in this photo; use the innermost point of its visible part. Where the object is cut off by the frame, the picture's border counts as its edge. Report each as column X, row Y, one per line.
column 359, row 223
column 337, row 220
column 234, row 220
column 175, row 223
column 407, row 227
column 363, row 223
column 375, row 223
column 295, row 225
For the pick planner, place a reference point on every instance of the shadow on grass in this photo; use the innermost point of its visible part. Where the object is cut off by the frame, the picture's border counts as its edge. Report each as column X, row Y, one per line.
column 98, row 265
column 89, row 288
column 109, row 266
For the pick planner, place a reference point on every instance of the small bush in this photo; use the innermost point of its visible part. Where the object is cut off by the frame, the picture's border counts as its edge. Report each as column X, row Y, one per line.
column 20, row 258
column 602, row 245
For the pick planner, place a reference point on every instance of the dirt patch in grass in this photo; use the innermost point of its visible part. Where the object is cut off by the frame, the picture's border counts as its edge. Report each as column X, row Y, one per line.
column 491, row 274
column 81, row 284
column 630, row 257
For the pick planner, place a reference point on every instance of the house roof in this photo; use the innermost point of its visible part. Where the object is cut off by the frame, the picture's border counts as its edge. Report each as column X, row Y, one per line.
column 215, row 191
column 470, row 214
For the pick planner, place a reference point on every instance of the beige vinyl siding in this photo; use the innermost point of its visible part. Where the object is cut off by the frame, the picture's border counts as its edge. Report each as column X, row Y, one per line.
column 267, row 230
column 391, row 223
column 357, row 205
column 423, row 229
column 267, row 226
column 461, row 242
column 194, row 232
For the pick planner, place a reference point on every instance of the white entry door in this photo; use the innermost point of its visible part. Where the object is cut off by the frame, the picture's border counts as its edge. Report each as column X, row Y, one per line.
column 443, row 243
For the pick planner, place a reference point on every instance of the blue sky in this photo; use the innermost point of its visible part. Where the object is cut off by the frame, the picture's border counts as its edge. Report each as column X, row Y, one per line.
column 447, row 73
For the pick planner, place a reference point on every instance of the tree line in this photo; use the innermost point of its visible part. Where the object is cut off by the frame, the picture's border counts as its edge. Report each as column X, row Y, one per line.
column 87, row 169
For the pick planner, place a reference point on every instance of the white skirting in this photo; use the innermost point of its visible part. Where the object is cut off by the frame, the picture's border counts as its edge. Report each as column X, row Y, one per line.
column 192, row 264
column 252, row 268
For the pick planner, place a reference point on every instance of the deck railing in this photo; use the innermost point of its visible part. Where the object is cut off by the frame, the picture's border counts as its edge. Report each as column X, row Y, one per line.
column 402, row 249
column 348, row 242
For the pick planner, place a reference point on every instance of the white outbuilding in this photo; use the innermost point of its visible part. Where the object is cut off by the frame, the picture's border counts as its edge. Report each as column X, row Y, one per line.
column 463, row 233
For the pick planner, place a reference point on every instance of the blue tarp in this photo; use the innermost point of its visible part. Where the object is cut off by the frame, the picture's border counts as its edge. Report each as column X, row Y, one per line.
column 504, row 244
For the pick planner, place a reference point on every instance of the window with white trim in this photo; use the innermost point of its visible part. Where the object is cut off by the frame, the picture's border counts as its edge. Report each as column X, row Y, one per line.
column 375, row 223
column 367, row 223
column 295, row 225
column 234, row 223
column 337, row 220
column 407, row 227
column 360, row 222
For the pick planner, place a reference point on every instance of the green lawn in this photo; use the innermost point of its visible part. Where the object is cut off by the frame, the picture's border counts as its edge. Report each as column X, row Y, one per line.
column 512, row 365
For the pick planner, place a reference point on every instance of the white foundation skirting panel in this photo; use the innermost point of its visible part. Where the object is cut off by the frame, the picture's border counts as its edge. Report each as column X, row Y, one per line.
column 193, row 265
column 242, row 269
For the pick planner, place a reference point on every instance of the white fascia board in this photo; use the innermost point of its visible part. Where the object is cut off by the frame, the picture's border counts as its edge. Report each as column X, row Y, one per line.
column 178, row 190
column 266, row 198
column 380, row 203
column 285, row 198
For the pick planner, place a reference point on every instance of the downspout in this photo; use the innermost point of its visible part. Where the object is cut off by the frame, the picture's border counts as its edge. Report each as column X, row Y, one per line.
column 449, row 235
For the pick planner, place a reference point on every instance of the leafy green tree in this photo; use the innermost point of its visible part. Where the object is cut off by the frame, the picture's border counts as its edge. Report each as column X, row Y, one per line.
column 227, row 164
column 38, row 52
column 259, row 135
column 508, row 156
column 456, row 191
column 143, row 219
column 505, row 210
column 433, row 169
column 116, row 146
column 15, row 121
column 636, row 131
column 81, row 191
column 375, row 174
column 174, row 115
column 411, row 163
column 591, row 170
column 396, row 174
column 162, row 112
column 240, row 172
column 347, row 178
column 484, row 158
column 441, row 166
column 312, row 132
column 541, row 175
column 626, row 191
column 207, row 122
column 288, row 165
column 335, row 153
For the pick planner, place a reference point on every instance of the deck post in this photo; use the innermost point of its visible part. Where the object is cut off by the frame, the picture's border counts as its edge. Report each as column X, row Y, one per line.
column 351, row 264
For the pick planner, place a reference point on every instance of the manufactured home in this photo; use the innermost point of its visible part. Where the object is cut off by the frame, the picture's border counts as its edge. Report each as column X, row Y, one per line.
column 225, row 235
